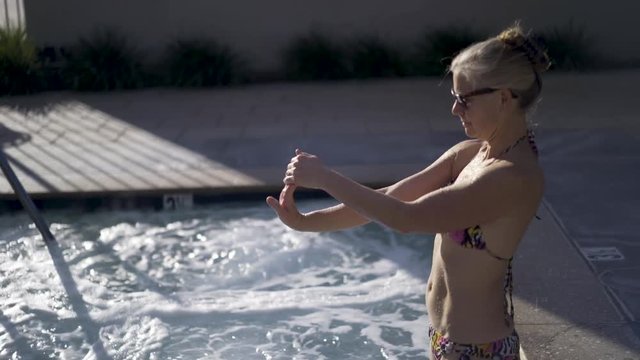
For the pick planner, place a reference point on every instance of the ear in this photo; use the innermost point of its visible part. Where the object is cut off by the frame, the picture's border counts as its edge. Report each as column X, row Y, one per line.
column 506, row 98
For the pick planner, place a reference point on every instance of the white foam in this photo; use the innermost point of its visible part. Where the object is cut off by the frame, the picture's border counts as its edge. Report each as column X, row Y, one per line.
column 215, row 283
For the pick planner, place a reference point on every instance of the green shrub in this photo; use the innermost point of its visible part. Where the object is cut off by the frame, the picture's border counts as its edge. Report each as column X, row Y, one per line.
column 104, row 61
column 569, row 48
column 19, row 69
column 315, row 57
column 371, row 58
column 437, row 48
column 51, row 60
column 202, row 63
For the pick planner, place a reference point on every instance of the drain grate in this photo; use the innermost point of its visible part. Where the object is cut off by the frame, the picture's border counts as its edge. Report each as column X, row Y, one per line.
column 602, row 253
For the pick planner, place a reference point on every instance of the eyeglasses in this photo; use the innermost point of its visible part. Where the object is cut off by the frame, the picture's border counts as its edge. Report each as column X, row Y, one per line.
column 462, row 98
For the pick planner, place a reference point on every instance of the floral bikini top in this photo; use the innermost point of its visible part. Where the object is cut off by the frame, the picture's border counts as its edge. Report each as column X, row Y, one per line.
column 471, row 238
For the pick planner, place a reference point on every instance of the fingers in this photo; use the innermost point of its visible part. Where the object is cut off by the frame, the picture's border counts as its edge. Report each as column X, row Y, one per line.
column 296, row 159
column 300, row 152
column 282, row 194
column 286, row 197
column 301, row 160
column 286, row 202
column 273, row 203
column 282, row 200
column 289, row 175
column 286, row 191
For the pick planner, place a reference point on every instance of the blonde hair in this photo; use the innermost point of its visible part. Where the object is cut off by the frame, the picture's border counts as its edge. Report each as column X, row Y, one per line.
column 511, row 60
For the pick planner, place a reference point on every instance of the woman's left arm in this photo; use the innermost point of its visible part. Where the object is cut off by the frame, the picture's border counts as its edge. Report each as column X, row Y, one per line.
column 457, row 206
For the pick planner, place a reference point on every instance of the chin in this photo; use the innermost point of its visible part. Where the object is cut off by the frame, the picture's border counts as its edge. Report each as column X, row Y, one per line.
column 470, row 133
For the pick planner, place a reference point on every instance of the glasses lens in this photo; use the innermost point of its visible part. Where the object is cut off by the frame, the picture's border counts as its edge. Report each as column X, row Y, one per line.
column 459, row 99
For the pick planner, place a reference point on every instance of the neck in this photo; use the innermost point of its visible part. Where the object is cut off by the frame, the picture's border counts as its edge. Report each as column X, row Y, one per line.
column 506, row 134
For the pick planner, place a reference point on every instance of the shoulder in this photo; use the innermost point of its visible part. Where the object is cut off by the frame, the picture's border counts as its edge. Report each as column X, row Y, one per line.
column 471, row 145
column 462, row 153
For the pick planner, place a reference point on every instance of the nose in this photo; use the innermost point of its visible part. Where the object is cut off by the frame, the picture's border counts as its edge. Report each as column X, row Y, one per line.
column 457, row 109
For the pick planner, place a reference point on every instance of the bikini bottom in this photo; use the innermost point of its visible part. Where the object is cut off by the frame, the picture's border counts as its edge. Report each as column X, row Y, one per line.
column 507, row 348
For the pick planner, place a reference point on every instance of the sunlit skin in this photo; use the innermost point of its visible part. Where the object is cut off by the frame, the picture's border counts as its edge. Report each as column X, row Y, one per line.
column 464, row 295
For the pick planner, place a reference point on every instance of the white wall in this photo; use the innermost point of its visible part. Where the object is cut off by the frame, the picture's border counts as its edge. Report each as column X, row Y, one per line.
column 12, row 13
column 260, row 28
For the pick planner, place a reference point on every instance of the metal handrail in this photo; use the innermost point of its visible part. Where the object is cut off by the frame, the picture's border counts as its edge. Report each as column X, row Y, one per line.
column 24, row 198
column 62, row 268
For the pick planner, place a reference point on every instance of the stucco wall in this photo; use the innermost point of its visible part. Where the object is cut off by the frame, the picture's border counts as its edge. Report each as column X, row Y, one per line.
column 259, row 28
column 12, row 13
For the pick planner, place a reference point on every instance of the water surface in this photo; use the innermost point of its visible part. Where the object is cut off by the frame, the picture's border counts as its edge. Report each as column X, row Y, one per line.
column 216, row 282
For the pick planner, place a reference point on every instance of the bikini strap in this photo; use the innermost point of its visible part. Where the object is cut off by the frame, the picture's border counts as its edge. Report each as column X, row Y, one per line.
column 509, row 312
column 495, row 255
column 532, row 141
column 509, row 316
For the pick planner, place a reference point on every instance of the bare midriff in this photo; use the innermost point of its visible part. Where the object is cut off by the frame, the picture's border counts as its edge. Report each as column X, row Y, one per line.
column 465, row 294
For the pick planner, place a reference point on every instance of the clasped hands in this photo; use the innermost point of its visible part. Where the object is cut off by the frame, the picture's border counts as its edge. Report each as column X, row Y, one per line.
column 304, row 170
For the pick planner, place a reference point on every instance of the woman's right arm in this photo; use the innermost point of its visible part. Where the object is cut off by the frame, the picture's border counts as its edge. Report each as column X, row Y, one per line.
column 333, row 218
column 340, row 217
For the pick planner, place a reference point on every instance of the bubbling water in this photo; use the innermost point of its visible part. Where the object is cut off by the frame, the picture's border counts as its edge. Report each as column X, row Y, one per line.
column 215, row 282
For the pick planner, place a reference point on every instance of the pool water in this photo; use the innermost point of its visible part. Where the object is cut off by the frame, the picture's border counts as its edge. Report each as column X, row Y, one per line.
column 216, row 282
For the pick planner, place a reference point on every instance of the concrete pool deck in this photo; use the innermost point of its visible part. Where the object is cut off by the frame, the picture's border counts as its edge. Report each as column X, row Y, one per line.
column 577, row 274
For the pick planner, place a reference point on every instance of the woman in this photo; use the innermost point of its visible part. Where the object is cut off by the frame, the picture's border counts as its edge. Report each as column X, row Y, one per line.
column 478, row 197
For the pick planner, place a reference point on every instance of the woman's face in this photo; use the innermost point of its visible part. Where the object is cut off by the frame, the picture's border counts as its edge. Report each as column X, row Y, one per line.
column 477, row 108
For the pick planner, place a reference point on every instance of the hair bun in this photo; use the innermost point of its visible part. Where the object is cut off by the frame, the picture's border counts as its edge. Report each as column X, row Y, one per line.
column 518, row 41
